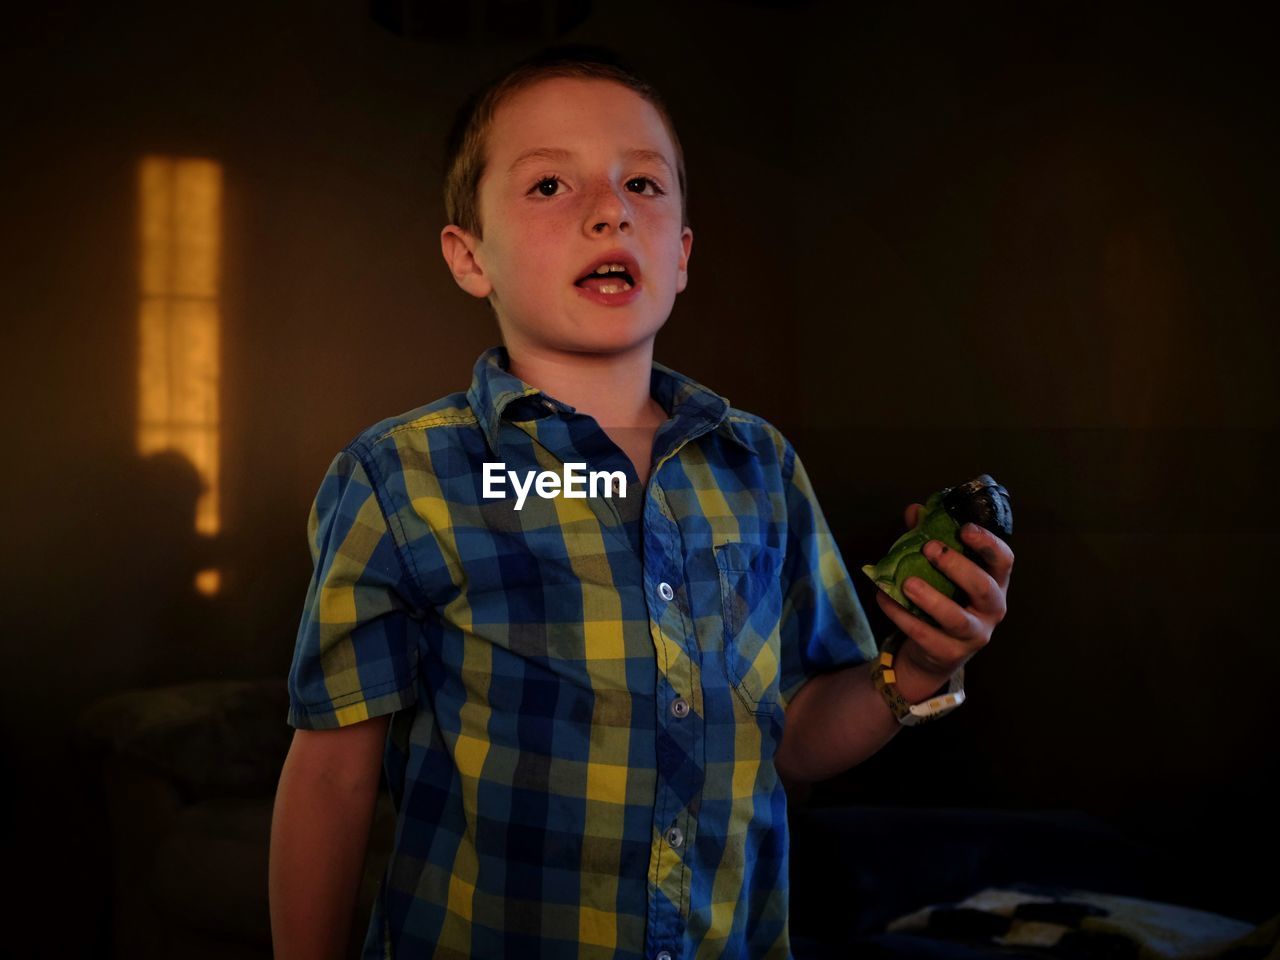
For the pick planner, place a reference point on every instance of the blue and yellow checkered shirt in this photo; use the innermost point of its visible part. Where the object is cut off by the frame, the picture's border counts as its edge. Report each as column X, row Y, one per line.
column 590, row 691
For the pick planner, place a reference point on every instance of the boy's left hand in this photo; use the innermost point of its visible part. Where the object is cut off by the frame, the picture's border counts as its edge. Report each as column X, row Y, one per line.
column 938, row 652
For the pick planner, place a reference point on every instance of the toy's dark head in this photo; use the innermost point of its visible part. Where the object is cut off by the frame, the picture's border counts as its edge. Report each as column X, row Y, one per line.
column 981, row 501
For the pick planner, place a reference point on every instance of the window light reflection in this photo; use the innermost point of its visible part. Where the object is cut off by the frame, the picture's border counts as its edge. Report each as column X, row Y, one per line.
column 179, row 215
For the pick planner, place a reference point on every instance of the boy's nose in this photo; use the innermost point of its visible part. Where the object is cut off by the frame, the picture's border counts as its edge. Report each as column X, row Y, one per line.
column 608, row 209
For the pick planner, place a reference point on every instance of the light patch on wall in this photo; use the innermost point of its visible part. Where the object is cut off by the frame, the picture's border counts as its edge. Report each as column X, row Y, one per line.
column 179, row 215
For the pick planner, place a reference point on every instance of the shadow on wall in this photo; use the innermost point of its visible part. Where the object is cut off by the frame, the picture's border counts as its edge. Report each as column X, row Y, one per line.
column 145, row 621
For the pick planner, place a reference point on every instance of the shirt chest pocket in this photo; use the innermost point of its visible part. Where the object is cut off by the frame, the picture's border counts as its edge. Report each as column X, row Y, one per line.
column 751, row 602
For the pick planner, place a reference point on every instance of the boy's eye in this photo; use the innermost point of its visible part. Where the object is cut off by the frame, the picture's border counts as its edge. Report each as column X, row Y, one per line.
column 543, row 182
column 643, row 180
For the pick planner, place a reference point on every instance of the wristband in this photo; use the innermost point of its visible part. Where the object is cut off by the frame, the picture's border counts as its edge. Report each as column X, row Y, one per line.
column 911, row 714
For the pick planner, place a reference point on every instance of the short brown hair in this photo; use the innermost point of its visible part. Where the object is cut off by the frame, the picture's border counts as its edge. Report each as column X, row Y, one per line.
column 465, row 158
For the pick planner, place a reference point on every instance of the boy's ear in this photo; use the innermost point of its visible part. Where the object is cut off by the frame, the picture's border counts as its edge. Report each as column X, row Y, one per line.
column 458, row 248
column 682, row 270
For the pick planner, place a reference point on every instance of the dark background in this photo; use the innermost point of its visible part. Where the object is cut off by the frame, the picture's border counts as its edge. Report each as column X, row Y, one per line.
column 930, row 241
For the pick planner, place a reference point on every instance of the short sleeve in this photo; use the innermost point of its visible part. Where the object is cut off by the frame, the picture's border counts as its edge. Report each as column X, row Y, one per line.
column 823, row 623
column 356, row 651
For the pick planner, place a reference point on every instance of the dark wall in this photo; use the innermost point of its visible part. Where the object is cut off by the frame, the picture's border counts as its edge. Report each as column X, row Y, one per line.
column 930, row 242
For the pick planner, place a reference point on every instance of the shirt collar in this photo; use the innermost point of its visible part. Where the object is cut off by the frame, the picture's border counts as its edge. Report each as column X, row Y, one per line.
column 496, row 394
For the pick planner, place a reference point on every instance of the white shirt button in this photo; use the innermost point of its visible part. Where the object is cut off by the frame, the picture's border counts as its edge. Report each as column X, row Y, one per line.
column 675, row 837
column 665, row 591
column 616, row 487
column 663, row 955
column 680, row 708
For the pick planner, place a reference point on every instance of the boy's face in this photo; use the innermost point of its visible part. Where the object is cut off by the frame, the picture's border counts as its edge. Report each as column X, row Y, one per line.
column 548, row 220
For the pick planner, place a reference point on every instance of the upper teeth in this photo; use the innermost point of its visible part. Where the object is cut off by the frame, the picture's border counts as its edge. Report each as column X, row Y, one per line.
column 611, row 268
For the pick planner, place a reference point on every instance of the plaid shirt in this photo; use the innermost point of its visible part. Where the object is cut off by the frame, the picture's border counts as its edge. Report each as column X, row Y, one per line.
column 590, row 691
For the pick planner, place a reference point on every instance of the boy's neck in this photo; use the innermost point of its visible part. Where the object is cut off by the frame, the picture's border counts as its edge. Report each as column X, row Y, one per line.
column 612, row 388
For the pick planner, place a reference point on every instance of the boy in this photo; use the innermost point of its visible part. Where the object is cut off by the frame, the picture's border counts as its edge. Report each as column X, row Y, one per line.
column 585, row 703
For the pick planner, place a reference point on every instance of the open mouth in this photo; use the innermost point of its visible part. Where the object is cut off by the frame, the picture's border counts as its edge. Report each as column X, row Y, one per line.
column 614, row 283
column 611, row 274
